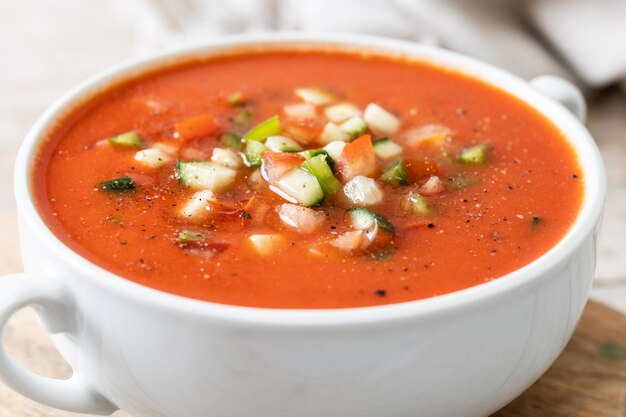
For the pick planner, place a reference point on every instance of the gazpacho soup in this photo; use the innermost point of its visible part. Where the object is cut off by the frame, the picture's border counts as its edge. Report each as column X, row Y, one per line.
column 307, row 179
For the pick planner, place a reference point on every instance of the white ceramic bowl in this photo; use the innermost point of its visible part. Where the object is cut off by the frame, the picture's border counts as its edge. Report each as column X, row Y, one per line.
column 155, row 354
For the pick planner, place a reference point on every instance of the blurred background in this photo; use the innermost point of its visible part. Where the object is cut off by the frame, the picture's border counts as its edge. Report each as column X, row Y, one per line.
column 48, row 46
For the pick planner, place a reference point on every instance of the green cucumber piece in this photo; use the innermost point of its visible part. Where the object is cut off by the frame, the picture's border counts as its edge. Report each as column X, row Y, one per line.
column 231, row 140
column 474, row 155
column 243, row 118
column 418, row 204
column 319, row 167
column 310, row 153
column 127, row 140
column 354, row 127
column 190, row 235
column 302, row 186
column 385, row 148
column 118, row 185
column 204, row 175
column 364, row 219
column 278, row 143
column 395, row 174
column 253, row 152
column 270, row 127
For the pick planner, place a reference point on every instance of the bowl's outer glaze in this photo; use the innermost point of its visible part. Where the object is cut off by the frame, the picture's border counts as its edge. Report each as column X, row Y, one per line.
column 466, row 353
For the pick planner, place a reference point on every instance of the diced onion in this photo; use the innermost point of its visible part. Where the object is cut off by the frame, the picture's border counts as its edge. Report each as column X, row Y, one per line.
column 380, row 121
column 363, row 191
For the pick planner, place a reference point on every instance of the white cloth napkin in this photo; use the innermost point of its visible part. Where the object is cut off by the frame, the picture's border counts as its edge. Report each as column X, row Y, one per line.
column 584, row 40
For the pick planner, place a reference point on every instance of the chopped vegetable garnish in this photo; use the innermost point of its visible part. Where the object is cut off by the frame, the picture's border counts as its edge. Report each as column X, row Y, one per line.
column 315, row 96
column 227, row 158
column 432, row 186
column 417, row 204
column 308, row 154
column 266, row 244
column 236, row 99
column 319, row 166
column 205, row 175
column 152, row 157
column 260, row 132
column 243, row 118
column 333, row 133
column 190, row 235
column 280, row 143
column 341, row 112
column 475, row 155
column 276, row 164
column 198, row 205
column 463, row 181
column 300, row 111
column 380, row 121
column 363, row 191
column 354, row 127
column 253, row 152
column 127, row 140
column 123, row 184
column 196, row 127
column 395, row 174
column 231, row 140
column 299, row 186
column 303, row 219
column 364, row 219
column 335, row 149
column 385, row 148
column 357, row 158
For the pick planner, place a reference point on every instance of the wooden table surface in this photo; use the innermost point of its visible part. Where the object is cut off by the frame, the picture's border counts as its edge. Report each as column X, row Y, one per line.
column 49, row 46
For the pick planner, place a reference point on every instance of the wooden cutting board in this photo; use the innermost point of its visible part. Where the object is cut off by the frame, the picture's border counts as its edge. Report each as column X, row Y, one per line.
column 588, row 380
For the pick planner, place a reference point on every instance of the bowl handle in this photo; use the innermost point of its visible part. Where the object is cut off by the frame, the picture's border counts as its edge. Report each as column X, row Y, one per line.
column 562, row 91
column 54, row 305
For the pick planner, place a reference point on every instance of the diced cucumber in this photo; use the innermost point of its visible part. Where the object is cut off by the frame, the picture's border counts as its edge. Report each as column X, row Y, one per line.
column 310, row 153
column 205, row 175
column 354, row 127
column 341, row 112
column 364, row 219
column 363, row 191
column 333, row 133
column 417, row 204
column 253, row 153
column 236, row 99
column 335, row 149
column 190, row 235
column 118, row 185
column 260, row 132
column 302, row 186
column 316, row 96
column 266, row 244
column 385, row 148
column 395, row 174
column 300, row 111
column 152, row 157
column 231, row 140
column 474, row 155
column 226, row 157
column 127, row 140
column 319, row 167
column 243, row 118
column 380, row 121
column 197, row 206
column 278, row 143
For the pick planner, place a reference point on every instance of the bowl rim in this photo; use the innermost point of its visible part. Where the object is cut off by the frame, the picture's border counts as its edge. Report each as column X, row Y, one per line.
column 577, row 135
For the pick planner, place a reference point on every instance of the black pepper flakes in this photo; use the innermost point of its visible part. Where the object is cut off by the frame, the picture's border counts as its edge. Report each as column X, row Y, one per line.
column 431, row 225
column 380, row 293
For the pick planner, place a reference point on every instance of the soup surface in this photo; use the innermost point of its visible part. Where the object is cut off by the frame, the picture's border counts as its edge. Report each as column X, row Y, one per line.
column 310, row 179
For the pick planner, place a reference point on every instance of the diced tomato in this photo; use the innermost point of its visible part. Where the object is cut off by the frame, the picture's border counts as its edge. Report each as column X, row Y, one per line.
column 303, row 130
column 275, row 164
column 419, row 168
column 357, row 158
column 197, row 127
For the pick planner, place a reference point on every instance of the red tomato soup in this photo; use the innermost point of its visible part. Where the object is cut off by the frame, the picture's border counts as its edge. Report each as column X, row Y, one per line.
column 309, row 179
